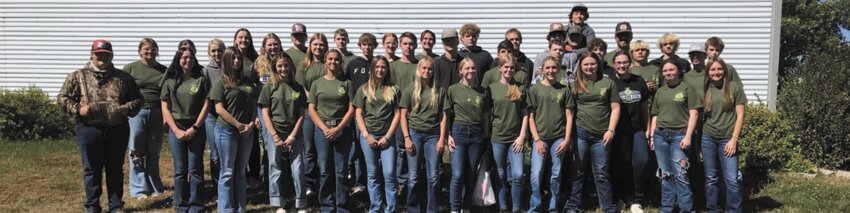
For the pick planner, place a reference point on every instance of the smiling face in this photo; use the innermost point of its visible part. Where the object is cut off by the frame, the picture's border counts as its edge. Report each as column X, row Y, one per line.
column 550, row 70
column 187, row 61
column 333, row 61
column 696, row 57
column 148, row 52
column 577, row 17
column 589, row 66
column 242, row 39
column 467, row 71
column 426, row 69
column 380, row 70
column 271, row 47
column 716, row 72
column 318, row 48
column 283, row 68
column 507, row 70
column 215, row 52
column 428, row 41
column 670, row 72
column 621, row 64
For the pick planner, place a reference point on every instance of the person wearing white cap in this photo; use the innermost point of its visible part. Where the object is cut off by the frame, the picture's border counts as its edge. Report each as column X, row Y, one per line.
column 100, row 97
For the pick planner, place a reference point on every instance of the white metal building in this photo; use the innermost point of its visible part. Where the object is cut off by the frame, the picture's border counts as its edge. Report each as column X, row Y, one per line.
column 41, row 41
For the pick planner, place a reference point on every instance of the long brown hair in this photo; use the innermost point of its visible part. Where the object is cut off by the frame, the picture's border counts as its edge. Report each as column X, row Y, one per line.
column 230, row 76
column 580, row 85
column 249, row 52
column 274, row 77
column 727, row 97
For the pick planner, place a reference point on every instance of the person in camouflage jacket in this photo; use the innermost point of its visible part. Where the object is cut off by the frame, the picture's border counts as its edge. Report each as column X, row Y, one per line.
column 100, row 97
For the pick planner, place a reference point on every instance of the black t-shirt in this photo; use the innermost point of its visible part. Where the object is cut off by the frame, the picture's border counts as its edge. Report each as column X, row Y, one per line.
column 447, row 72
column 358, row 72
column 481, row 57
column 633, row 93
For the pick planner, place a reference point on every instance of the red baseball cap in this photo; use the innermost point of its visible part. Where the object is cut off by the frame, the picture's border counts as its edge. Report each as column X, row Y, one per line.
column 101, row 46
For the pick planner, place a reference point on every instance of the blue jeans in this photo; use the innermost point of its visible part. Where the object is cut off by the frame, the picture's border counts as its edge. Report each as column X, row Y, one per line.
column 673, row 170
column 401, row 160
column 591, row 144
column 309, row 168
column 188, row 169
column 714, row 156
column 537, row 170
column 465, row 159
column 278, row 157
column 103, row 148
column 386, row 157
column 425, row 147
column 503, row 154
column 145, row 143
column 235, row 149
column 215, row 165
column 332, row 156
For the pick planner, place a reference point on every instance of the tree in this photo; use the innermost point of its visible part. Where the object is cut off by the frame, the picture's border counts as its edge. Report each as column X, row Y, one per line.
column 810, row 26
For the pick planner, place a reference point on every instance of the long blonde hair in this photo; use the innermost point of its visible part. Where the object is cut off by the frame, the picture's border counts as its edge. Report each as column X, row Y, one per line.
column 727, row 97
column 264, row 64
column 385, row 85
column 418, row 86
column 513, row 93
column 308, row 58
column 275, row 78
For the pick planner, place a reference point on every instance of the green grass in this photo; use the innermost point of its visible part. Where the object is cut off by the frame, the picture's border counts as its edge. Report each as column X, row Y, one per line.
column 46, row 176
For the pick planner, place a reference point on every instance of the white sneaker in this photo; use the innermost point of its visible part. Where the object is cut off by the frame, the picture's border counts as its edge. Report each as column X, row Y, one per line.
column 309, row 192
column 280, row 210
column 302, row 211
column 636, row 208
column 358, row 189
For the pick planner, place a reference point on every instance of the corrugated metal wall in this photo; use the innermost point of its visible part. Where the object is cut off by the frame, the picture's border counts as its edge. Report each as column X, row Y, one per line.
column 41, row 41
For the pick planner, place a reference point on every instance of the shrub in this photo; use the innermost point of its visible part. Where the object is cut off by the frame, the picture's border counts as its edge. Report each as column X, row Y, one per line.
column 817, row 100
column 30, row 114
column 769, row 143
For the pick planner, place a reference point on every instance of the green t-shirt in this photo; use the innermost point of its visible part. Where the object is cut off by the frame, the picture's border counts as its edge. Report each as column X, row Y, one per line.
column 507, row 114
column 609, row 58
column 696, row 80
column 593, row 108
column 424, row 118
column 239, row 102
column 648, row 73
column 248, row 69
column 403, row 74
column 347, row 59
column 296, row 55
column 720, row 122
column 306, row 75
column 286, row 103
column 148, row 80
column 377, row 114
column 674, row 102
column 548, row 104
column 494, row 75
column 331, row 98
column 188, row 99
column 468, row 104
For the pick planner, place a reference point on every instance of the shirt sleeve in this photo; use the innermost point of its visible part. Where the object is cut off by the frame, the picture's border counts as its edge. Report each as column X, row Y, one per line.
column 693, row 99
column 265, row 96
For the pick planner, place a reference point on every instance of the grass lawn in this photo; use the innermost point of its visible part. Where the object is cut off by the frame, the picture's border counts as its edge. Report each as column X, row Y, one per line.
column 47, row 177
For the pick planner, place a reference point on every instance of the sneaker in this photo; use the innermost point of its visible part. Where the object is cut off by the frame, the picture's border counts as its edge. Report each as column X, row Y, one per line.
column 93, row 210
column 302, row 211
column 141, row 197
column 636, row 208
column 280, row 210
column 309, row 192
column 357, row 189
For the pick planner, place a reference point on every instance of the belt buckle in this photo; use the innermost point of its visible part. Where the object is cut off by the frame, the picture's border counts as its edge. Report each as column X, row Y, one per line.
column 331, row 123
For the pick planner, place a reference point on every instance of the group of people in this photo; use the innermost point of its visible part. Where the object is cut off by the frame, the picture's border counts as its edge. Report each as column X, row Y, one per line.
column 321, row 111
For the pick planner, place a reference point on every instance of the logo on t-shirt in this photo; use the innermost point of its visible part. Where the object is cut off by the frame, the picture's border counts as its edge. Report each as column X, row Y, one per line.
column 194, row 89
column 679, row 97
column 247, row 89
column 294, row 95
column 630, row 96
column 558, row 97
column 341, row 90
column 603, row 92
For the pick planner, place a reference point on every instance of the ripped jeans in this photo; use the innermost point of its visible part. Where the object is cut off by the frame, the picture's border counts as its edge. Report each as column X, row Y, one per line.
column 673, row 170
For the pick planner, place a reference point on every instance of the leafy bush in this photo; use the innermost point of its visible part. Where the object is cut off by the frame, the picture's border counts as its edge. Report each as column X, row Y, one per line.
column 817, row 100
column 30, row 114
column 769, row 143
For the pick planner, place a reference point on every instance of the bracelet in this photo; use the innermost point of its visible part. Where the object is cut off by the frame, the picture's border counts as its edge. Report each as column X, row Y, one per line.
column 195, row 127
column 407, row 136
